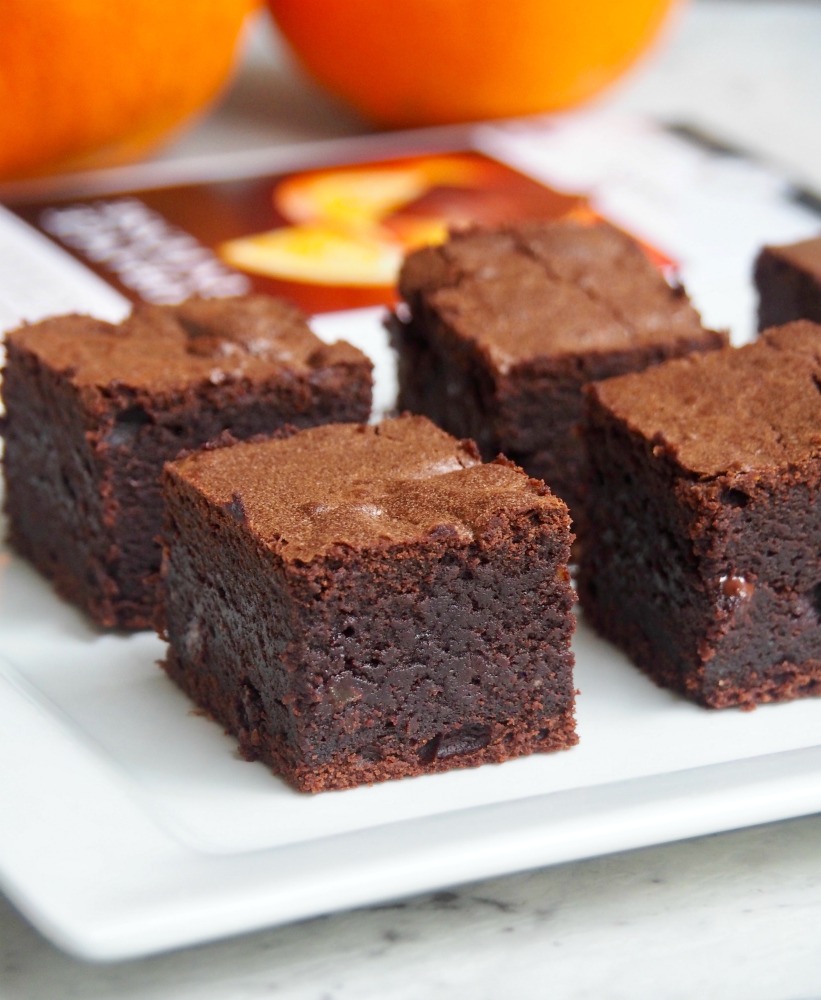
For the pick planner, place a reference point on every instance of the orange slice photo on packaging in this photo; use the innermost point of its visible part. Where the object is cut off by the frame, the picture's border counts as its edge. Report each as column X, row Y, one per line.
column 361, row 195
column 317, row 253
column 339, row 234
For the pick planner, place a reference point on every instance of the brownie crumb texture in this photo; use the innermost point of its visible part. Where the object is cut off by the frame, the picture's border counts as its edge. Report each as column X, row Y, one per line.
column 358, row 603
column 501, row 328
column 94, row 409
column 704, row 555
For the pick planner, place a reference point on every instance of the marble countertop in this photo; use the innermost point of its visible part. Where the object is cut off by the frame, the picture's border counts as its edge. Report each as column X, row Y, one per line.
column 732, row 915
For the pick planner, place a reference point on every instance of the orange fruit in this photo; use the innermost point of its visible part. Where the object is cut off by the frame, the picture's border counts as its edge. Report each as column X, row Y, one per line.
column 427, row 62
column 95, row 82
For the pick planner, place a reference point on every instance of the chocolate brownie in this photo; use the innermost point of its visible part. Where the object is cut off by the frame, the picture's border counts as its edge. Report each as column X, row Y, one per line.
column 788, row 279
column 504, row 326
column 705, row 519
column 93, row 410
column 357, row 603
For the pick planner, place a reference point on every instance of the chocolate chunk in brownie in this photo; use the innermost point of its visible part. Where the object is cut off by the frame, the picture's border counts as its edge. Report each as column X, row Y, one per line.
column 503, row 327
column 702, row 560
column 93, row 410
column 788, row 279
column 357, row 603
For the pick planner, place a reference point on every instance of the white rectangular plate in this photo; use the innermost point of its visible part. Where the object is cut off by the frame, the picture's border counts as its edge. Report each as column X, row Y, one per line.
column 131, row 826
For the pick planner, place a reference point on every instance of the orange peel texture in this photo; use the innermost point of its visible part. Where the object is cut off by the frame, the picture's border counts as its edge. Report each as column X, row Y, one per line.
column 428, row 62
column 94, row 82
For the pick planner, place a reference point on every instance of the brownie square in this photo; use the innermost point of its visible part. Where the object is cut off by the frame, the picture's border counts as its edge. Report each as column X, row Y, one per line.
column 788, row 279
column 502, row 327
column 93, row 410
column 357, row 603
column 704, row 554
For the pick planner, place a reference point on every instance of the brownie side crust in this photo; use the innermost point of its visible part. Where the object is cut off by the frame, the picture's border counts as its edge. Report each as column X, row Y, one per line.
column 384, row 606
column 788, row 280
column 705, row 520
column 503, row 327
column 93, row 411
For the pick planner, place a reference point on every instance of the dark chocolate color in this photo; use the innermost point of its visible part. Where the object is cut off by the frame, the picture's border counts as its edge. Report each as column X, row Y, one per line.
column 504, row 326
column 356, row 603
column 788, row 279
column 705, row 519
column 93, row 411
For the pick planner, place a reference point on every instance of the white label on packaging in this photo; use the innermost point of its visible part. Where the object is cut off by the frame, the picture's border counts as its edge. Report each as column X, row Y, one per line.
column 39, row 279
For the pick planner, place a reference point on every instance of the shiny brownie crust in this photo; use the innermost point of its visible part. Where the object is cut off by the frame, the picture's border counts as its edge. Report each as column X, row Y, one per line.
column 501, row 328
column 391, row 607
column 93, row 410
column 705, row 520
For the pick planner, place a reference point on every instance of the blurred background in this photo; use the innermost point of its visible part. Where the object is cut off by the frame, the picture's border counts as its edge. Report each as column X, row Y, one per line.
column 747, row 70
column 744, row 70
